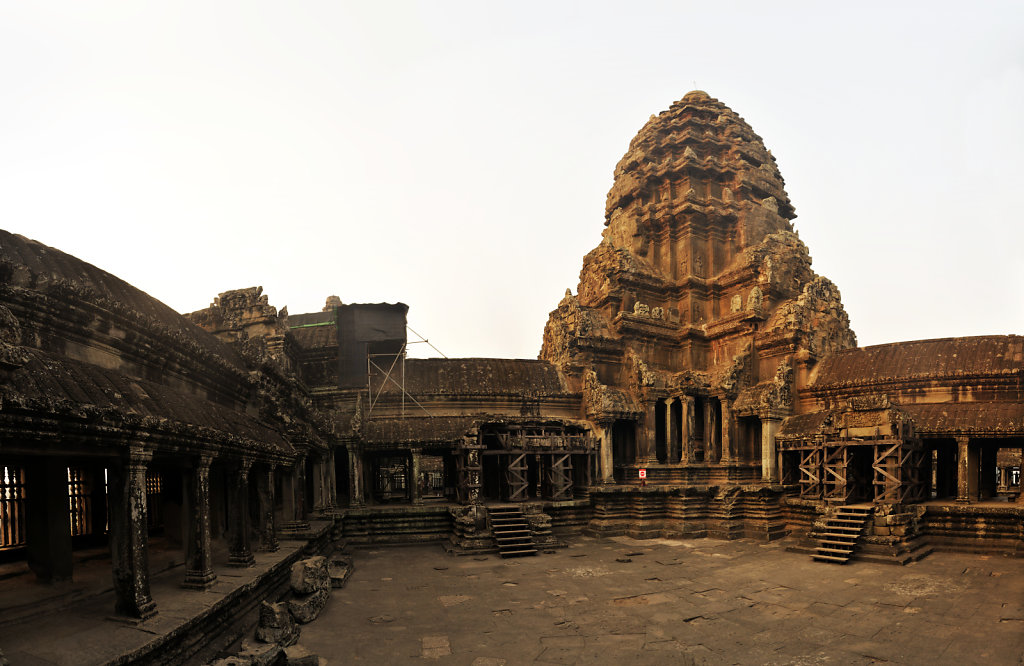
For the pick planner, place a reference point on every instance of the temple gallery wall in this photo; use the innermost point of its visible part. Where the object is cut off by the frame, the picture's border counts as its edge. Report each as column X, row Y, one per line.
column 699, row 348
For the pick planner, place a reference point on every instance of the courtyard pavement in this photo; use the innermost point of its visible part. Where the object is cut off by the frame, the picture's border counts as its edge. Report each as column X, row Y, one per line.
column 624, row 601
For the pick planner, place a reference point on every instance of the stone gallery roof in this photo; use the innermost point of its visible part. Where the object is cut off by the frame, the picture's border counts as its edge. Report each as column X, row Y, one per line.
column 698, row 135
column 418, row 429
column 66, row 388
column 31, row 265
column 928, row 360
column 968, row 418
column 317, row 336
column 480, row 376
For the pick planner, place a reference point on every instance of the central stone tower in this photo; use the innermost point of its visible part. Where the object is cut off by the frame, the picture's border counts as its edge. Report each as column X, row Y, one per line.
column 699, row 307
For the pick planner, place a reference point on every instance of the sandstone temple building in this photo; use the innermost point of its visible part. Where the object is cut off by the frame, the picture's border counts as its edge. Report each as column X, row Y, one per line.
column 702, row 380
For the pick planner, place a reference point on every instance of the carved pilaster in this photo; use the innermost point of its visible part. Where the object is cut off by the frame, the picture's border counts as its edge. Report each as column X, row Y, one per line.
column 688, row 423
column 239, row 551
column 265, row 493
column 415, row 493
column 198, row 545
column 129, row 547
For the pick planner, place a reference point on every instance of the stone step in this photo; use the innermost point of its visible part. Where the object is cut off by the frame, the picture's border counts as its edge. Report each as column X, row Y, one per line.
column 831, row 558
column 837, row 543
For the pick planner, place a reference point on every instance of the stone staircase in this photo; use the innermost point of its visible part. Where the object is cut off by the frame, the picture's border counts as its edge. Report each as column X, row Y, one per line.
column 839, row 539
column 511, row 531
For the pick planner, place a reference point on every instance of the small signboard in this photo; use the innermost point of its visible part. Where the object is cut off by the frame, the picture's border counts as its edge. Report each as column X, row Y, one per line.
column 643, row 473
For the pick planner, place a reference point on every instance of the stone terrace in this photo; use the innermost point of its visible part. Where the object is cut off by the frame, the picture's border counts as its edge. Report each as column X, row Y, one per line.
column 620, row 600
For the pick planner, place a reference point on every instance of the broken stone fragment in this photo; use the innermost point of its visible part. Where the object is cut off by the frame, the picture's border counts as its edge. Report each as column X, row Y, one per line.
column 261, row 654
column 310, row 575
column 306, row 609
column 297, row 655
column 276, row 625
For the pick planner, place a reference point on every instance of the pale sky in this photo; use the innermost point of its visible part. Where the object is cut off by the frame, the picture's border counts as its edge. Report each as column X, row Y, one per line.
column 455, row 156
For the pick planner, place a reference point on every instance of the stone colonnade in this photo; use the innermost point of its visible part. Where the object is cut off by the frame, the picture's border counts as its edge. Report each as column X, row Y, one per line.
column 978, row 476
column 688, row 429
column 129, row 522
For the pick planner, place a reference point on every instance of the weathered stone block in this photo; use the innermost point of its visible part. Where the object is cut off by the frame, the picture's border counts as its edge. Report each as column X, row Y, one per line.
column 310, row 575
column 276, row 625
column 230, row 661
column 261, row 654
column 306, row 609
column 296, row 655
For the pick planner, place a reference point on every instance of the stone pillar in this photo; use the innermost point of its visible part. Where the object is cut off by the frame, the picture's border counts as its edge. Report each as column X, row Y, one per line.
column 48, row 528
column 727, row 452
column 294, row 496
column 355, row 478
column 769, row 460
column 645, row 437
column 671, row 432
column 474, row 464
column 605, row 453
column 300, row 491
column 198, row 543
column 709, row 432
column 966, row 471
column 129, row 540
column 332, row 479
column 414, row 477
column 265, row 493
column 687, row 423
column 239, row 551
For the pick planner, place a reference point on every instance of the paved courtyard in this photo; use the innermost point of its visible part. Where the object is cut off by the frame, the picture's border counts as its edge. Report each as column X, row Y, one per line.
column 623, row 601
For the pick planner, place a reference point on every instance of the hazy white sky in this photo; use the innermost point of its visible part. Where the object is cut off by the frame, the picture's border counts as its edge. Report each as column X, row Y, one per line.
column 456, row 155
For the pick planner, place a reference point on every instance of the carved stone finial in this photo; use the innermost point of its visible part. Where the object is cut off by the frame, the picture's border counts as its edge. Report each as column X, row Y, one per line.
column 332, row 302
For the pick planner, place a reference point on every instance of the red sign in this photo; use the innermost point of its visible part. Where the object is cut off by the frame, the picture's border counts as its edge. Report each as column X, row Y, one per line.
column 643, row 474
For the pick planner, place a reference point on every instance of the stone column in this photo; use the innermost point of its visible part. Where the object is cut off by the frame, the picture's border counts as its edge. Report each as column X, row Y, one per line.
column 355, row 478
column 239, row 551
column 769, row 461
column 671, row 432
column 687, row 424
column 48, row 530
column 300, row 491
column 727, row 453
column 129, row 547
column 966, row 471
column 710, row 455
column 198, row 543
column 265, row 493
column 645, row 437
column 414, row 476
column 332, row 479
column 606, row 457
column 474, row 464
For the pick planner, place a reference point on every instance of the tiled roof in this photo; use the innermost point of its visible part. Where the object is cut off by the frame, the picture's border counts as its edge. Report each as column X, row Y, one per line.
column 993, row 418
column 60, row 386
column 480, row 376
column 45, row 264
column 803, row 425
column 994, row 355
column 316, row 337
